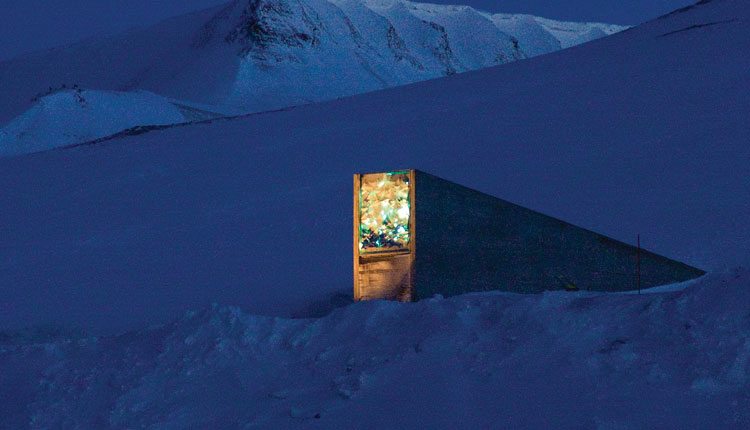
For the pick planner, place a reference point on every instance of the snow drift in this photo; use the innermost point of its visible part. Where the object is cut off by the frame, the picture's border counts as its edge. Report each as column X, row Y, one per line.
column 556, row 360
column 257, row 55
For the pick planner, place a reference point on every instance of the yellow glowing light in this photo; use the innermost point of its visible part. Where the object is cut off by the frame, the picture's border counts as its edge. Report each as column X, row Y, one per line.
column 403, row 212
column 384, row 211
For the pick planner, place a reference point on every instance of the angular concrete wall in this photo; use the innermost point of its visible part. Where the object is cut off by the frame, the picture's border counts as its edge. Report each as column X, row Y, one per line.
column 469, row 241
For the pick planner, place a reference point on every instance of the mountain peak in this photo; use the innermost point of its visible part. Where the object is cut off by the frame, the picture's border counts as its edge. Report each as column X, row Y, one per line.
column 266, row 22
column 258, row 55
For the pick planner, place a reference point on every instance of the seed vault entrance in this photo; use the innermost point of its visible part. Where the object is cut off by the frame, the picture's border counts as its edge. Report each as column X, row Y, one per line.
column 417, row 235
column 384, row 235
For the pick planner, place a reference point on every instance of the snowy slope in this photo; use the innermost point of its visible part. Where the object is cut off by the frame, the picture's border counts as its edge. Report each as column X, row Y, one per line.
column 214, row 56
column 642, row 132
column 574, row 33
column 540, row 36
column 257, row 55
column 557, row 360
column 72, row 116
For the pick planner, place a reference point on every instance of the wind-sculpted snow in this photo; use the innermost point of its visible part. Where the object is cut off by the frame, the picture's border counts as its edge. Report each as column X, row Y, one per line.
column 557, row 360
column 258, row 55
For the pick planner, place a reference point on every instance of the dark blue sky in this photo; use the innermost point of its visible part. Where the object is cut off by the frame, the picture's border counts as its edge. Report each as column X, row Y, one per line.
column 29, row 25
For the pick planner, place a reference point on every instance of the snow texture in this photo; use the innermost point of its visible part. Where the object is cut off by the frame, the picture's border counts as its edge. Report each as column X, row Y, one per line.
column 259, row 55
column 72, row 116
column 554, row 360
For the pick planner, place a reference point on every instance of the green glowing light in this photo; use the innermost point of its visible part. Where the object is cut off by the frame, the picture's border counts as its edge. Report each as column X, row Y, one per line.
column 384, row 211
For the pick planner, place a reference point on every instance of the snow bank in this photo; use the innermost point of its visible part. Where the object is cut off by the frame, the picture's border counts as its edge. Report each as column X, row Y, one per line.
column 556, row 360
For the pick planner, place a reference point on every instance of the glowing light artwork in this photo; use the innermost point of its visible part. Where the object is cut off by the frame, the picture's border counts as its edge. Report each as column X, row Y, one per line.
column 384, row 211
column 415, row 235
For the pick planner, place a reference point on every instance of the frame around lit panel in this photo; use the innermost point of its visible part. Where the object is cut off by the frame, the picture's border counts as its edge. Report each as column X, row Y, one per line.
column 357, row 215
column 409, row 250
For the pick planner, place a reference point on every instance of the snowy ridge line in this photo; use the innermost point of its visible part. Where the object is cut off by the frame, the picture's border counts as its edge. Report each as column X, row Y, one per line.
column 138, row 130
column 65, row 117
column 260, row 55
column 697, row 26
column 224, row 368
column 684, row 9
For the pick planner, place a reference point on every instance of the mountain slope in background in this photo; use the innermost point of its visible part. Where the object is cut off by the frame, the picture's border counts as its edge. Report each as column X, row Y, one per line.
column 642, row 132
column 257, row 55
column 71, row 116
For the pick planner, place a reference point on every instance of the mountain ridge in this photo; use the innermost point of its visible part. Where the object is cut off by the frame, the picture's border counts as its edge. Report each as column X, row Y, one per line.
column 258, row 55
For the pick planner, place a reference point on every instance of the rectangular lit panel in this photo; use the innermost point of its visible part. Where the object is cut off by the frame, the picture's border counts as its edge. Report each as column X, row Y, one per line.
column 384, row 209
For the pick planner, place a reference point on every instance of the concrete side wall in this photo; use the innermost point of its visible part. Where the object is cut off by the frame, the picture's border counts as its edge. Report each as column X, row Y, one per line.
column 470, row 241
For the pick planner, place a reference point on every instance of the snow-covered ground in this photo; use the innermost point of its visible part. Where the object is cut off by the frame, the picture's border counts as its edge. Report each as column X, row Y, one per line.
column 72, row 116
column 559, row 360
column 642, row 132
column 251, row 56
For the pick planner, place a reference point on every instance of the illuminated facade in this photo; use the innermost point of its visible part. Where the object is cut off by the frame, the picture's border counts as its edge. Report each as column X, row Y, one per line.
column 384, row 208
column 417, row 235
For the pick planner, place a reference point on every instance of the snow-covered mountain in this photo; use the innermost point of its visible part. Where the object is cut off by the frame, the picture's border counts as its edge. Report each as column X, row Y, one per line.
column 257, row 55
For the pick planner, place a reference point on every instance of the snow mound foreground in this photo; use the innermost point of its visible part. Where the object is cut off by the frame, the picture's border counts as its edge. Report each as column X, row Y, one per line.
column 554, row 360
column 73, row 116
